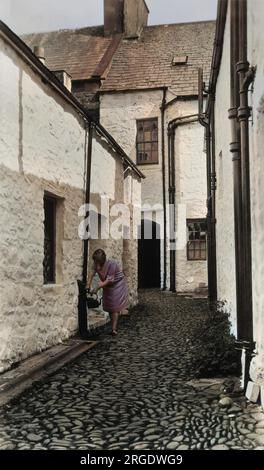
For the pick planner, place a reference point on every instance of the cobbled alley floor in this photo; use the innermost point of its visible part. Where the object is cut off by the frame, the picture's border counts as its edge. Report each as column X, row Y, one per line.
column 135, row 391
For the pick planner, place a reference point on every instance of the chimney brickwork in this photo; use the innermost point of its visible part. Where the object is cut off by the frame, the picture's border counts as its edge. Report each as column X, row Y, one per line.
column 125, row 16
column 113, row 17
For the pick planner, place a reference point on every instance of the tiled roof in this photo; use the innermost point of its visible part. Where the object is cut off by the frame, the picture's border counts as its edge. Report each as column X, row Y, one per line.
column 78, row 51
column 137, row 63
column 147, row 62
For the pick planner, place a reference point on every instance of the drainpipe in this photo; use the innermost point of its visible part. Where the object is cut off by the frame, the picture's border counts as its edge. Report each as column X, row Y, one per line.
column 213, row 297
column 246, row 76
column 172, row 189
column 172, row 203
column 82, row 306
column 163, row 108
column 205, row 121
column 235, row 150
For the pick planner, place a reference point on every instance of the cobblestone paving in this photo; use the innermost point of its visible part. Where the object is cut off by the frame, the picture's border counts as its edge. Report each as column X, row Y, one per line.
column 133, row 392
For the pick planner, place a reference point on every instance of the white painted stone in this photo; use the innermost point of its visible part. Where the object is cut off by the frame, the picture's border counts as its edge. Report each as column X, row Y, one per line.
column 42, row 142
column 262, row 398
column 225, row 241
column 224, row 169
column 252, row 392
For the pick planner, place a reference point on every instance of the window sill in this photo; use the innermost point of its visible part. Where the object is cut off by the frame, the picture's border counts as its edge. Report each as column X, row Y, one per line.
column 148, row 164
column 52, row 287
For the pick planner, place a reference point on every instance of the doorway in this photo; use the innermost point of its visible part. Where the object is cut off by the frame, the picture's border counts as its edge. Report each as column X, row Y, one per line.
column 149, row 255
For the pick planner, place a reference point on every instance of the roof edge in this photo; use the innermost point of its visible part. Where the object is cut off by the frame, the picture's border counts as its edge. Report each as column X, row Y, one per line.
column 64, row 30
column 57, row 86
column 218, row 47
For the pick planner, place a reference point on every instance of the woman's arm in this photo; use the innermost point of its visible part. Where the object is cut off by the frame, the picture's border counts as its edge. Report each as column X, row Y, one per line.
column 103, row 284
column 110, row 277
column 90, row 279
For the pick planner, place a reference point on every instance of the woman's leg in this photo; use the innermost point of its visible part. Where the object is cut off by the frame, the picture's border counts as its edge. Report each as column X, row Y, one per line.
column 115, row 316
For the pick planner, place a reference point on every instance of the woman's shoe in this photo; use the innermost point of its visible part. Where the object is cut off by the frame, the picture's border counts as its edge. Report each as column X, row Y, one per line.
column 114, row 333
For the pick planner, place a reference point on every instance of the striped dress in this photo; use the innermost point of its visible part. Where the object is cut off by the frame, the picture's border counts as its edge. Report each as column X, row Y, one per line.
column 115, row 295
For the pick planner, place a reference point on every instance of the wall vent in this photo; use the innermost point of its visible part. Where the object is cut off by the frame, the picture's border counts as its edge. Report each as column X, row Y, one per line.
column 180, row 60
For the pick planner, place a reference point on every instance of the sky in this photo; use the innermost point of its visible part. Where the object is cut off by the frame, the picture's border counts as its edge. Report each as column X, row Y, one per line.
column 25, row 16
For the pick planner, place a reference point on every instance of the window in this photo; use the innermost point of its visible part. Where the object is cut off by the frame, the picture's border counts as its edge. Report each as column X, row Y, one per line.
column 49, row 262
column 147, row 141
column 196, row 245
column 78, row 86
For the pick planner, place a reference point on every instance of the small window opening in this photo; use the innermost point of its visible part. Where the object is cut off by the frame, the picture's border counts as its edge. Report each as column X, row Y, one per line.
column 197, row 236
column 49, row 262
column 147, row 141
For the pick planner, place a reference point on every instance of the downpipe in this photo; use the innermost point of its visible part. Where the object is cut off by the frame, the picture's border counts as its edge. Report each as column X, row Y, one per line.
column 163, row 108
column 82, row 303
column 246, row 76
column 205, row 121
column 172, row 126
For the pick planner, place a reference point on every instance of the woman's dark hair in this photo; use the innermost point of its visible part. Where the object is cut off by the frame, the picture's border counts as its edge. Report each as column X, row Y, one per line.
column 99, row 257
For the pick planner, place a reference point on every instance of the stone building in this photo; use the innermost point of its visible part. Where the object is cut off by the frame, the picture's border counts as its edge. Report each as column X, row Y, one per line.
column 235, row 115
column 50, row 151
column 141, row 82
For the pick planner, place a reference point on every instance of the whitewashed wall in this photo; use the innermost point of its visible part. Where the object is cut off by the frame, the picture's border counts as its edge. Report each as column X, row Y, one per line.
column 119, row 113
column 256, row 58
column 224, row 206
column 41, row 149
column 225, row 239
column 191, row 194
column 42, row 142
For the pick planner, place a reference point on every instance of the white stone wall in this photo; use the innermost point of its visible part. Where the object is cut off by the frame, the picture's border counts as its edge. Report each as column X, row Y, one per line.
column 119, row 113
column 41, row 149
column 191, row 195
column 224, row 206
column 256, row 127
column 42, row 141
column 114, row 184
column 225, row 239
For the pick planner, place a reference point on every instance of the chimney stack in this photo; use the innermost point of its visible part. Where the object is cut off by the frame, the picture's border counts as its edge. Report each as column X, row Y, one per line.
column 135, row 17
column 113, row 17
column 40, row 53
column 125, row 16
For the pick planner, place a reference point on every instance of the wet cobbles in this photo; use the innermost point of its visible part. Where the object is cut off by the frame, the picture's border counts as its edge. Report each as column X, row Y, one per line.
column 133, row 392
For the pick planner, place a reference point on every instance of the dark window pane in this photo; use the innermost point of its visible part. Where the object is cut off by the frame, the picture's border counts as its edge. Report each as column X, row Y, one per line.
column 140, row 136
column 49, row 240
column 155, row 156
column 147, row 137
column 196, row 246
column 148, row 147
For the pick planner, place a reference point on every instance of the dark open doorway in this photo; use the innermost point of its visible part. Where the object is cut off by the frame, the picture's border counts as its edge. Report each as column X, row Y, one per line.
column 149, row 255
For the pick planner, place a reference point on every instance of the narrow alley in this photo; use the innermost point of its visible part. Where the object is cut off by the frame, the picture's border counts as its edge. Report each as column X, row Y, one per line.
column 136, row 391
